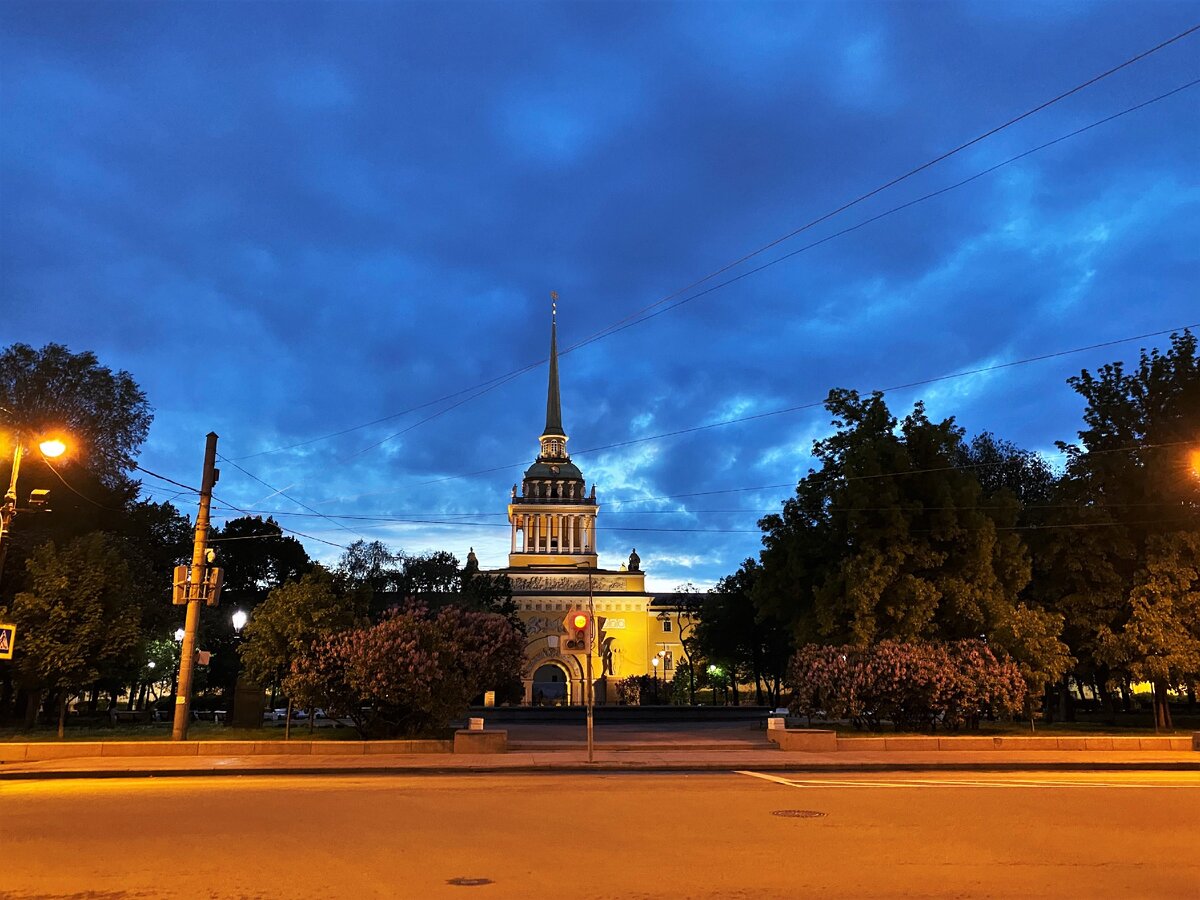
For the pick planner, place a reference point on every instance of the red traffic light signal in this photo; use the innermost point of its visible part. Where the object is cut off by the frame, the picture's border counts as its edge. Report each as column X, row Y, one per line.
column 579, row 632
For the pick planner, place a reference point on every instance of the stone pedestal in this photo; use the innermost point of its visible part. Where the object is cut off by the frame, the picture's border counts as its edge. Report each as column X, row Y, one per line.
column 468, row 741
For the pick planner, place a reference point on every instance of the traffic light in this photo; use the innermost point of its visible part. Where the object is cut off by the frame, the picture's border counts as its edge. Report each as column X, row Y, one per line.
column 579, row 626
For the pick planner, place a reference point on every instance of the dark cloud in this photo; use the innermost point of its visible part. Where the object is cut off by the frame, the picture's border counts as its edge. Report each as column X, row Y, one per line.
column 287, row 220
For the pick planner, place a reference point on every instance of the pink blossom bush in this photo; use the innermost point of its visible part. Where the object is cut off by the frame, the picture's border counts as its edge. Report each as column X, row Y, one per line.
column 919, row 684
column 411, row 673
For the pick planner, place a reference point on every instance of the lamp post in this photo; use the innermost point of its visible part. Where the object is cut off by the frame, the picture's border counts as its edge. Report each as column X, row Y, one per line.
column 654, row 663
column 51, row 448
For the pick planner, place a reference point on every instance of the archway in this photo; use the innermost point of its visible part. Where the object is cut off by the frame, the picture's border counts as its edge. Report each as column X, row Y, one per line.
column 551, row 685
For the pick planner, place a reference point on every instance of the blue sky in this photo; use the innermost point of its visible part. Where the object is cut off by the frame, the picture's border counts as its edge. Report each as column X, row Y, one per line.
column 290, row 219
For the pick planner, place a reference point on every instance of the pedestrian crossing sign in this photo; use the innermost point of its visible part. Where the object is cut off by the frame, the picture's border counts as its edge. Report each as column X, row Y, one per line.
column 8, row 637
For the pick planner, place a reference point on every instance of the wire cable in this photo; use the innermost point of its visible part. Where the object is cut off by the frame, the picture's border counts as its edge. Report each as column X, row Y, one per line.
column 639, row 314
column 817, row 403
column 287, row 496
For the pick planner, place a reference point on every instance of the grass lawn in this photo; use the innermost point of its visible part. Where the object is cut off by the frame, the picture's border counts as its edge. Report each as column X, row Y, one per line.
column 161, row 731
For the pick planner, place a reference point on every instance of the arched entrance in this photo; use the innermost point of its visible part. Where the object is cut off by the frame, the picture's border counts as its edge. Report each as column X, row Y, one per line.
column 551, row 685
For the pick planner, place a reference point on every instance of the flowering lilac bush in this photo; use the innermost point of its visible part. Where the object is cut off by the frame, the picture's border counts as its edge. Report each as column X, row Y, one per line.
column 919, row 684
column 411, row 673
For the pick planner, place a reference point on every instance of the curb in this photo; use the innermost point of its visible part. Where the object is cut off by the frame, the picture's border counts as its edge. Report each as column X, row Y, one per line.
column 607, row 768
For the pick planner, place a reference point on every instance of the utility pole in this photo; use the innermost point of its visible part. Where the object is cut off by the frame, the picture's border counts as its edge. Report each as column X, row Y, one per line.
column 195, row 588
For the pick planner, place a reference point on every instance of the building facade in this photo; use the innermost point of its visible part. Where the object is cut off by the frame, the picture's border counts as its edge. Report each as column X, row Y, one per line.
column 553, row 566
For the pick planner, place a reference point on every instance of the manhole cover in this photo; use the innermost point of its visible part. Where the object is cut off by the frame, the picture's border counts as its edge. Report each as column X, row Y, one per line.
column 799, row 813
column 468, row 882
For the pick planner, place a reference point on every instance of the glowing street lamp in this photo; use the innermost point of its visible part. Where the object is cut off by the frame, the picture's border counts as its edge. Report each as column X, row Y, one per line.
column 239, row 621
column 179, row 635
column 51, row 448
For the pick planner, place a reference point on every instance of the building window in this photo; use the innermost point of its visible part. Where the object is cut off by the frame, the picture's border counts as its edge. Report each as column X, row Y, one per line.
column 666, row 624
column 668, row 662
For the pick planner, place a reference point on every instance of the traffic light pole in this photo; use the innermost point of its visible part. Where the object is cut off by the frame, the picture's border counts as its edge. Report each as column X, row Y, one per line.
column 590, row 692
column 187, row 653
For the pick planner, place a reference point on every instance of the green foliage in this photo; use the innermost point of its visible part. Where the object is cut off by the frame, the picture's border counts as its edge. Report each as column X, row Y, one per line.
column 294, row 617
column 411, row 673
column 1160, row 641
column 77, row 620
column 104, row 414
column 920, row 684
column 257, row 556
column 1120, row 568
column 889, row 539
column 733, row 632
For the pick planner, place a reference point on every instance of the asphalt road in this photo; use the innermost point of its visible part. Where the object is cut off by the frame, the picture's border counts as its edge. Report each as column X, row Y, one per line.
column 631, row 836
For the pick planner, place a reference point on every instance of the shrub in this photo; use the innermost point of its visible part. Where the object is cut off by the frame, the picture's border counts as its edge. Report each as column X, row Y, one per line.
column 910, row 684
column 411, row 673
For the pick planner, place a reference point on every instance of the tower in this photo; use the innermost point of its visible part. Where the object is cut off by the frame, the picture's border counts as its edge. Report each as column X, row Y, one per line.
column 553, row 519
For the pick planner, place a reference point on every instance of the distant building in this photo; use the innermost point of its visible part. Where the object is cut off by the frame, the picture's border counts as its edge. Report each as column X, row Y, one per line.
column 553, row 567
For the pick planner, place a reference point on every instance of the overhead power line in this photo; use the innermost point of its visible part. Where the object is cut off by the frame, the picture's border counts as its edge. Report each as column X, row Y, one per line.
column 812, row 404
column 286, row 496
column 193, row 490
column 640, row 315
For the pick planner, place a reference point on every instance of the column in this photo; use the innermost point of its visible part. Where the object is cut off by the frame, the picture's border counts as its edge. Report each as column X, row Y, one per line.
column 570, row 534
column 513, row 548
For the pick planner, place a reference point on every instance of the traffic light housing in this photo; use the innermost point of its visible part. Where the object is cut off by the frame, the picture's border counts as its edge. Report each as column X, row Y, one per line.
column 580, row 628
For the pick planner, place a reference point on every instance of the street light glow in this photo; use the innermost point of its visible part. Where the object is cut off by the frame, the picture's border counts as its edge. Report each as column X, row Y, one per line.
column 239, row 620
column 52, row 448
column 179, row 634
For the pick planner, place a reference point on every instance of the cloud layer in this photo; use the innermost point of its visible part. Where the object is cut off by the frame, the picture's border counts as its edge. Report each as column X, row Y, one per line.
column 289, row 220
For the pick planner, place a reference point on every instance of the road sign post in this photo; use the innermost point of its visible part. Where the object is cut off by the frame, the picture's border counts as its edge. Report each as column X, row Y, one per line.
column 8, row 640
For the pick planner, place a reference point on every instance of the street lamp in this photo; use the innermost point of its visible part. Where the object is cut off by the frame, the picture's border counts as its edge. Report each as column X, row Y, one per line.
column 179, row 635
column 239, row 621
column 654, row 663
column 50, row 448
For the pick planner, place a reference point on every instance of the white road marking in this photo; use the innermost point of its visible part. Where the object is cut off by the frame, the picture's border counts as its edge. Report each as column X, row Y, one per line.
column 1002, row 782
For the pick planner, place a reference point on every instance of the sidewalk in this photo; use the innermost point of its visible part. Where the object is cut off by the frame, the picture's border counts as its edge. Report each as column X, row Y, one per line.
column 658, row 759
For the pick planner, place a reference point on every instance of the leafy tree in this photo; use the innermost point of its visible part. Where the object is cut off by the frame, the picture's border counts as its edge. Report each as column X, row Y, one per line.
column 104, row 413
column 889, row 540
column 370, row 565
column 76, row 620
column 687, row 602
column 1117, row 569
column 430, row 573
column 257, row 556
column 294, row 617
column 411, row 673
column 734, row 632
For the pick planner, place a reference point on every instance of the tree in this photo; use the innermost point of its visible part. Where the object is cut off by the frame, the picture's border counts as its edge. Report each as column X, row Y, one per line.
column 257, row 556
column 1118, row 569
column 76, row 620
column 371, row 565
column 889, row 539
column 686, row 604
column 294, row 617
column 411, row 673
column 104, row 413
column 733, row 631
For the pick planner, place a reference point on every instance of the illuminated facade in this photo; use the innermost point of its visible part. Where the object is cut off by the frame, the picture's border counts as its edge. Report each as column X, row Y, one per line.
column 553, row 567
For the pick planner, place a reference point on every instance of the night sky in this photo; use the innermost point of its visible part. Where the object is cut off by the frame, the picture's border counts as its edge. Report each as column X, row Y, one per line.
column 290, row 219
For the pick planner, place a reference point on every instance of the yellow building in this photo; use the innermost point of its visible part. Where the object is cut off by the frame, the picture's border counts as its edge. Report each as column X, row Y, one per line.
column 553, row 567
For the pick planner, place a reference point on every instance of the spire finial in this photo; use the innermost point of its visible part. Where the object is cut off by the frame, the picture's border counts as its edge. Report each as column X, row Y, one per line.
column 553, row 405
